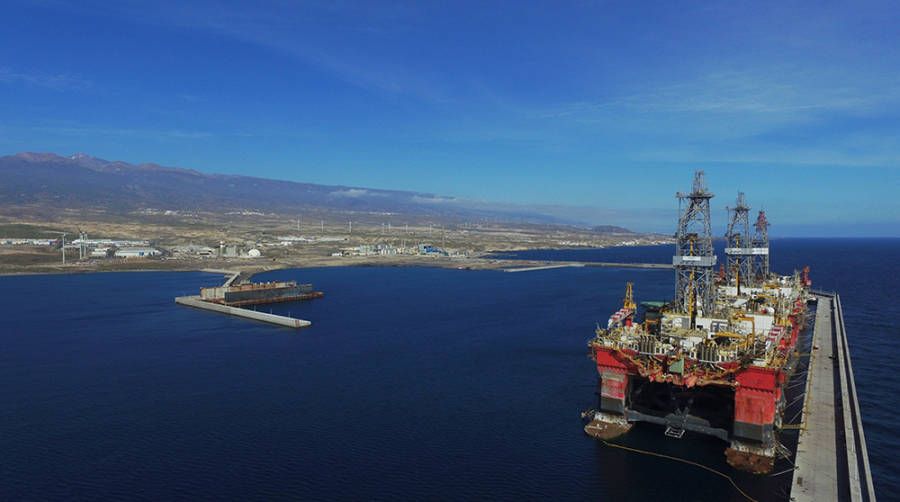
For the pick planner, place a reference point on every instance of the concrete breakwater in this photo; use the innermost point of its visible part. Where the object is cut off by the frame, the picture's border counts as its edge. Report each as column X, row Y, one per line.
column 196, row 302
column 832, row 462
column 552, row 265
column 240, row 279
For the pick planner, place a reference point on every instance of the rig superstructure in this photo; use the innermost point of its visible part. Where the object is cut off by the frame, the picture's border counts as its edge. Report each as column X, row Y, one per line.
column 715, row 360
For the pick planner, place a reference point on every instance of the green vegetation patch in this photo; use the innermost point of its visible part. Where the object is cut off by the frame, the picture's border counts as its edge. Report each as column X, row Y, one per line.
column 25, row 231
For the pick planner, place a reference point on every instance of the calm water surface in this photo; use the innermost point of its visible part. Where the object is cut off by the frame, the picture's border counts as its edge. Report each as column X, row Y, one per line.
column 412, row 383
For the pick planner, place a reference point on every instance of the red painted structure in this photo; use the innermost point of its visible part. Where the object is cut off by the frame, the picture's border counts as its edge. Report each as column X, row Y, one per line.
column 757, row 390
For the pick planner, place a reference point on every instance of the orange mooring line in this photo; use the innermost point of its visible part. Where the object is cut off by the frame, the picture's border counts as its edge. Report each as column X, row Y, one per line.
column 710, row 469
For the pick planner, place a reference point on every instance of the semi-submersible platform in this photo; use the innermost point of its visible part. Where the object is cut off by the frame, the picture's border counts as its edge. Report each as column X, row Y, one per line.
column 714, row 360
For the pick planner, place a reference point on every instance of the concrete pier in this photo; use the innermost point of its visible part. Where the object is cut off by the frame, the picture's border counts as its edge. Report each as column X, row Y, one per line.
column 612, row 264
column 232, row 274
column 832, row 461
column 543, row 267
column 566, row 264
column 196, row 302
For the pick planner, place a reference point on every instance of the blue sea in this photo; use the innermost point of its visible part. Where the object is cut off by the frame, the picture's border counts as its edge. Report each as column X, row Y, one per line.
column 412, row 383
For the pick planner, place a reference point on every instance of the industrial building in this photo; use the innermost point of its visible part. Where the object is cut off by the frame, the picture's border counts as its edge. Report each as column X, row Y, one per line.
column 137, row 252
column 102, row 252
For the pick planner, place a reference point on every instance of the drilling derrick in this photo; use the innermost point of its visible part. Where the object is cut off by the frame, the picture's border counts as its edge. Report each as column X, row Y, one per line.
column 739, row 247
column 760, row 245
column 694, row 259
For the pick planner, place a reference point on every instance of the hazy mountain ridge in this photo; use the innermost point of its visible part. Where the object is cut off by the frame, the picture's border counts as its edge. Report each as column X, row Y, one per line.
column 611, row 229
column 85, row 182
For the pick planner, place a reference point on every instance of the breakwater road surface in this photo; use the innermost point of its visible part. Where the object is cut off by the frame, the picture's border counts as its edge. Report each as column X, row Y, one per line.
column 832, row 461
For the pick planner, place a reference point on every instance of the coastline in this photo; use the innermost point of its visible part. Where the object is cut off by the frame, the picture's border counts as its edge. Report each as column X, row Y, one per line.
column 483, row 261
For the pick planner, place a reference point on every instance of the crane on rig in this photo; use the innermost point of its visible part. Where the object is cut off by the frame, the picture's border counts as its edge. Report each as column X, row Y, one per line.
column 626, row 313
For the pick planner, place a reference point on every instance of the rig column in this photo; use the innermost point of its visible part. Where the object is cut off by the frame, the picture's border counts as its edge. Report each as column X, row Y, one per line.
column 756, row 402
column 609, row 421
column 613, row 388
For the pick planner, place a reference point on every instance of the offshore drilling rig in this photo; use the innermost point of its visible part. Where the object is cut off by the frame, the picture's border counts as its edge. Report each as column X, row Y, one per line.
column 715, row 359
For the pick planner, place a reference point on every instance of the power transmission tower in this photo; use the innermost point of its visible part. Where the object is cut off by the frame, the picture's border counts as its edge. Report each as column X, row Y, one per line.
column 694, row 259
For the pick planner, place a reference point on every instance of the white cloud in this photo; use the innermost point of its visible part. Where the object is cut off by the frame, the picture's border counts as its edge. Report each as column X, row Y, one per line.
column 436, row 199
column 91, row 131
column 352, row 193
column 308, row 34
column 58, row 82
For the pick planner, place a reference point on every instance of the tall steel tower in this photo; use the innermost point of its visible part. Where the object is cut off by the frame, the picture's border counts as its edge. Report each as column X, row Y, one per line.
column 761, row 247
column 694, row 259
column 738, row 250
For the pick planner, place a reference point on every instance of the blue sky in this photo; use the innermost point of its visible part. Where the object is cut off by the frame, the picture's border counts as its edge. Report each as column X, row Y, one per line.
column 604, row 108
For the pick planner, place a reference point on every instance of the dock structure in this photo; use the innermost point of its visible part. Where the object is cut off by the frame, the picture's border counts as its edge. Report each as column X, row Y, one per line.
column 238, row 283
column 607, row 264
column 612, row 264
column 196, row 302
column 832, row 460
column 543, row 267
column 233, row 275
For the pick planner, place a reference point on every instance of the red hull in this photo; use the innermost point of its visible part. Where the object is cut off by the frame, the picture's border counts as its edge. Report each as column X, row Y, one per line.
column 757, row 390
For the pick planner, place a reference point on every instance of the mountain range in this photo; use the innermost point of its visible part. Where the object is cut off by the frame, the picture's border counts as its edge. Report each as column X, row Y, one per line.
column 46, row 181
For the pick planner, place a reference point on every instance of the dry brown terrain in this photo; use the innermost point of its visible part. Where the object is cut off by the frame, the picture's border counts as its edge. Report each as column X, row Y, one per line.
column 468, row 242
